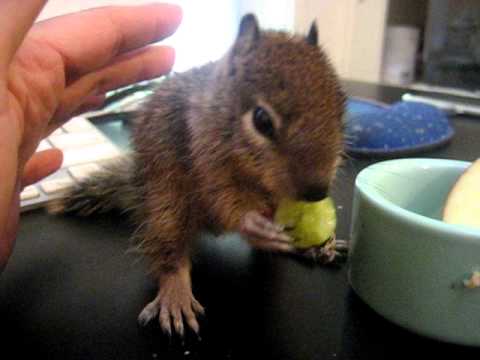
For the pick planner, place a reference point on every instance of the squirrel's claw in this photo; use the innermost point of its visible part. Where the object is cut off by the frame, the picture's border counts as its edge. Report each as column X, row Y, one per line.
column 255, row 225
column 271, row 245
column 263, row 234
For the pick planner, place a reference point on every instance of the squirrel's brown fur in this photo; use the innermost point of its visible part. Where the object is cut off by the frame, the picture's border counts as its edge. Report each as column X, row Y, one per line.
column 198, row 161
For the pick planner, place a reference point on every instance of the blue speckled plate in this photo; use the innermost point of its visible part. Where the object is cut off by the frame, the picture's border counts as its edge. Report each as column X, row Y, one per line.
column 404, row 128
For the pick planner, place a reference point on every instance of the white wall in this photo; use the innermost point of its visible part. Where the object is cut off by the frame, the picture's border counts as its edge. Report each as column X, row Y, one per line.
column 331, row 22
column 271, row 14
column 208, row 27
column 351, row 31
column 60, row 7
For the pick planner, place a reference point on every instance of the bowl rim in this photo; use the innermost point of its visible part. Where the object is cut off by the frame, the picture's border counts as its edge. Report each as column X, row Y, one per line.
column 409, row 216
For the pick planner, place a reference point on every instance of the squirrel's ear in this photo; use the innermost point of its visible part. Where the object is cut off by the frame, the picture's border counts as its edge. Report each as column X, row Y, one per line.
column 248, row 34
column 312, row 37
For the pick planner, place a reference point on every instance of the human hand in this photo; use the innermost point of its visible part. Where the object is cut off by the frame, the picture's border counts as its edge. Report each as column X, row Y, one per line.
column 61, row 67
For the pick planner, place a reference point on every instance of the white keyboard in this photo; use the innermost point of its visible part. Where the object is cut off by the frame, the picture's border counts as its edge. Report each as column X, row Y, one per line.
column 84, row 148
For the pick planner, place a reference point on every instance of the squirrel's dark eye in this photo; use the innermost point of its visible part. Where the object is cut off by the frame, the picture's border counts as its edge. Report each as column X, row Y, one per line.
column 263, row 122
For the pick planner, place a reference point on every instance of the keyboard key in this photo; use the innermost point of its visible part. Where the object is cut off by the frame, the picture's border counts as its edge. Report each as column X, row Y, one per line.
column 29, row 192
column 80, row 172
column 85, row 148
column 93, row 153
column 78, row 124
column 55, row 185
column 72, row 140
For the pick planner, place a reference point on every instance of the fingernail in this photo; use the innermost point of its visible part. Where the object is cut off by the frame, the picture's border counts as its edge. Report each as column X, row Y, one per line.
column 172, row 15
column 178, row 10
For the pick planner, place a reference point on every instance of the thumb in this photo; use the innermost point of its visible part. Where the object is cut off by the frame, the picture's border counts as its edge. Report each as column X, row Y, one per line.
column 40, row 165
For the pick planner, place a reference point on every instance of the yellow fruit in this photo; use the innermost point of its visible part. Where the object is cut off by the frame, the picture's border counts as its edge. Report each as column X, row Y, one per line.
column 463, row 203
column 308, row 223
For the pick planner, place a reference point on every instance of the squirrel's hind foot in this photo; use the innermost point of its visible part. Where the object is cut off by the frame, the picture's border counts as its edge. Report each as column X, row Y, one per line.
column 173, row 305
column 333, row 252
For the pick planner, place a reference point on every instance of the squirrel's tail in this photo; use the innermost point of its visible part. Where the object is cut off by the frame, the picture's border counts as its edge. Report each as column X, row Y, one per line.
column 112, row 188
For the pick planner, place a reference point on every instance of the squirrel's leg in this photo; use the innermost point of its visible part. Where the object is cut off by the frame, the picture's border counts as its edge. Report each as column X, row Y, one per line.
column 165, row 240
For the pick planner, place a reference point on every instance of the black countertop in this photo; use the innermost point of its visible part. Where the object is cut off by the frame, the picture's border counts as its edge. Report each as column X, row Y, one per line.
column 72, row 290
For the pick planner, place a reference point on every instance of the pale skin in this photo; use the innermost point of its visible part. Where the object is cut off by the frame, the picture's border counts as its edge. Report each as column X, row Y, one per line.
column 46, row 77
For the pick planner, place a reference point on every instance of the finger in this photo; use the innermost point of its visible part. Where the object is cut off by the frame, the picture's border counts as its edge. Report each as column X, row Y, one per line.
column 9, row 184
column 148, row 313
column 258, row 226
column 165, row 323
column 264, row 222
column 197, row 307
column 8, row 229
column 93, row 102
column 270, row 245
column 191, row 319
column 15, row 25
column 116, row 30
column 178, row 322
column 41, row 165
column 143, row 64
column 341, row 245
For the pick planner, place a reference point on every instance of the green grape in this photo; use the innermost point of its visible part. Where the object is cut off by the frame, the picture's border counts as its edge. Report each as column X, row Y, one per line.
column 308, row 223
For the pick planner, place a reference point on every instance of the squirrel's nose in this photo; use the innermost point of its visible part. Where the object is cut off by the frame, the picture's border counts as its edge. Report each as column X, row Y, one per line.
column 314, row 193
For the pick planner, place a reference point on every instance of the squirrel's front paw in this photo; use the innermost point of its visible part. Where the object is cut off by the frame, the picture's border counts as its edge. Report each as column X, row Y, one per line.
column 262, row 233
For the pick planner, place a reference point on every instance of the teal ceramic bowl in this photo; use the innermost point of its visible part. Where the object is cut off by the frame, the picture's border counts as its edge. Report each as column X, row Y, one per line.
column 407, row 264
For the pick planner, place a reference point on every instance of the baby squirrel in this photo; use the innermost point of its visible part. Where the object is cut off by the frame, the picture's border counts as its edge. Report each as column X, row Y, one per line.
column 216, row 148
